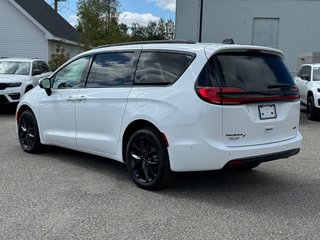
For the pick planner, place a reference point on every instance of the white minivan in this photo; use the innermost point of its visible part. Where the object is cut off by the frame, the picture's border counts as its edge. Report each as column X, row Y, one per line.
column 166, row 107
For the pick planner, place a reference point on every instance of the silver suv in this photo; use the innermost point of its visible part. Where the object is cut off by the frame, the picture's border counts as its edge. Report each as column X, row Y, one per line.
column 19, row 75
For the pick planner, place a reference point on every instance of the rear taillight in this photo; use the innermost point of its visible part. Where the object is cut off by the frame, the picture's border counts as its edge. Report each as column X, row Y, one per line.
column 214, row 94
column 231, row 95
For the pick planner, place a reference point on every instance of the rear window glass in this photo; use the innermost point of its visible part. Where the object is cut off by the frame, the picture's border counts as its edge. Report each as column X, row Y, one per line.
column 161, row 68
column 247, row 71
column 111, row 69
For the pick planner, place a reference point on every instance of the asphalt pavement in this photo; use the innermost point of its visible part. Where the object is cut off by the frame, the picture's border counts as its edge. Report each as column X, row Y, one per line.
column 63, row 194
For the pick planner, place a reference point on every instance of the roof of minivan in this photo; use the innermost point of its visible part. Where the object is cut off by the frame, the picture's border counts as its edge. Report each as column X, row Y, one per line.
column 208, row 48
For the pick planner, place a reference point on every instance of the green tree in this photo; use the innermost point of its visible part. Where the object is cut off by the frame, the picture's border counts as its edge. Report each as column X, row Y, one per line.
column 159, row 30
column 98, row 23
column 58, row 58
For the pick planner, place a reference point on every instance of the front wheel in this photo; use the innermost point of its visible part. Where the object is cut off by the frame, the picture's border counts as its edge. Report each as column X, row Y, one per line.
column 312, row 112
column 28, row 132
column 147, row 160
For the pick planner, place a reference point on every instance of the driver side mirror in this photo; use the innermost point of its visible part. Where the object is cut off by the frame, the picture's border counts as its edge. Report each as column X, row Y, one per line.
column 45, row 83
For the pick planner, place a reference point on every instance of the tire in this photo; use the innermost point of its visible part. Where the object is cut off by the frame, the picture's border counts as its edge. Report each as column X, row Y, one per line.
column 28, row 132
column 147, row 160
column 312, row 112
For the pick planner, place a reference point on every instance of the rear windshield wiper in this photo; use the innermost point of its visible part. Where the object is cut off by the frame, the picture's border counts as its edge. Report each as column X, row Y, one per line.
column 279, row 86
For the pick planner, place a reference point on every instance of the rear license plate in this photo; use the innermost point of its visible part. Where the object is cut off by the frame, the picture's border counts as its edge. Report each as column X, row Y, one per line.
column 267, row 111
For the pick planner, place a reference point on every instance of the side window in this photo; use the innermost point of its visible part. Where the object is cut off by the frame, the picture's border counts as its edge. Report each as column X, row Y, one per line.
column 304, row 72
column 161, row 68
column 112, row 69
column 316, row 74
column 308, row 72
column 71, row 75
column 207, row 76
column 43, row 67
column 35, row 66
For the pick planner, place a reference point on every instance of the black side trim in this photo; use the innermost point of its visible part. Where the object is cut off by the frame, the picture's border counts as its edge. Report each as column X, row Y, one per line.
column 177, row 41
column 263, row 158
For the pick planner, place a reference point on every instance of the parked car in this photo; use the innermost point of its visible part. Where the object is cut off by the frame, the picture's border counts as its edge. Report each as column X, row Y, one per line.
column 308, row 82
column 18, row 76
column 167, row 107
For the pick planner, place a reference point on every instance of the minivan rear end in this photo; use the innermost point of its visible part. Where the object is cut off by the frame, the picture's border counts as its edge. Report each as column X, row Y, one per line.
column 250, row 111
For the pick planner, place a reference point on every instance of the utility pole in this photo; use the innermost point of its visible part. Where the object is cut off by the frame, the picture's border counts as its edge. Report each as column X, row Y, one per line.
column 200, row 21
column 56, row 4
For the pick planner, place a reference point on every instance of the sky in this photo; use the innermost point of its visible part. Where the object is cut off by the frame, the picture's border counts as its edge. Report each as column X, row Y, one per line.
column 139, row 11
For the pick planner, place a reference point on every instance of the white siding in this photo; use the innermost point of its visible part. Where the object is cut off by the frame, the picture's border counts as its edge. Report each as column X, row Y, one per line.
column 72, row 50
column 19, row 37
column 299, row 25
column 187, row 18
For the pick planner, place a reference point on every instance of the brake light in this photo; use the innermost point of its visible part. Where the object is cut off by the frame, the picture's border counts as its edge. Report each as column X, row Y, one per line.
column 231, row 95
column 214, row 94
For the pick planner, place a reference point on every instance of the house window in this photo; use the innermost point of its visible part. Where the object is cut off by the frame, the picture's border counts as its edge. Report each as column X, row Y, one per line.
column 265, row 32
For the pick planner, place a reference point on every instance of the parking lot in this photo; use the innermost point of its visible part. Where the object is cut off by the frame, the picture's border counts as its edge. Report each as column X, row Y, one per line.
column 62, row 194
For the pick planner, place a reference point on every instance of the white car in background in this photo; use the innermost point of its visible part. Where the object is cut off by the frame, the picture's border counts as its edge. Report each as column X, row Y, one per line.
column 308, row 82
column 18, row 76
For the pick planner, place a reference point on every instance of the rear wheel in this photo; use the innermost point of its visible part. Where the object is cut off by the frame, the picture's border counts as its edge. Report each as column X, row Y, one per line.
column 312, row 112
column 147, row 160
column 28, row 132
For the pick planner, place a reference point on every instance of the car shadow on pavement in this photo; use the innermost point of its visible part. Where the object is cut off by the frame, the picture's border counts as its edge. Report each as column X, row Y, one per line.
column 267, row 189
column 261, row 190
column 85, row 161
column 7, row 110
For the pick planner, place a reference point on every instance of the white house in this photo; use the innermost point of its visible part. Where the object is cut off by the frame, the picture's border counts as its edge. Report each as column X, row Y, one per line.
column 31, row 28
column 292, row 26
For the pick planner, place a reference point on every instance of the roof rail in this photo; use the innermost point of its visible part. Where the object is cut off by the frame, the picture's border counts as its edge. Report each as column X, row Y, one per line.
column 148, row 42
column 228, row 41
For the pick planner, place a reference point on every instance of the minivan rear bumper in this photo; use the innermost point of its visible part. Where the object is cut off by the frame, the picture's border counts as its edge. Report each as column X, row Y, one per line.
column 206, row 154
column 260, row 159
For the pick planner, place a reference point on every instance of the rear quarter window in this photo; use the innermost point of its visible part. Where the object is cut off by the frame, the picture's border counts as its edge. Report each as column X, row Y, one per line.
column 161, row 68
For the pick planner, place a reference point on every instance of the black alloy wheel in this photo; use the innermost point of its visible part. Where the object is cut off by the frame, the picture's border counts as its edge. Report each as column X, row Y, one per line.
column 312, row 112
column 147, row 160
column 28, row 132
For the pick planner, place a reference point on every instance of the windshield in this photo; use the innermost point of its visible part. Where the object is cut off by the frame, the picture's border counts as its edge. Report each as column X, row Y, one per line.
column 316, row 74
column 17, row 68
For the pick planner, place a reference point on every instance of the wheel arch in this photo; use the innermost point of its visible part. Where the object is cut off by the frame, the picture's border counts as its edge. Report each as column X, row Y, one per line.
column 22, row 109
column 131, row 128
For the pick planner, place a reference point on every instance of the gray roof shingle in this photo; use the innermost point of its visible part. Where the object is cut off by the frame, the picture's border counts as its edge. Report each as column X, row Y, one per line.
column 50, row 19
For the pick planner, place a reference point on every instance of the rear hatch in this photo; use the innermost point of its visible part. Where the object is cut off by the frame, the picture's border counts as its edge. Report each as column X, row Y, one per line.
column 259, row 99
